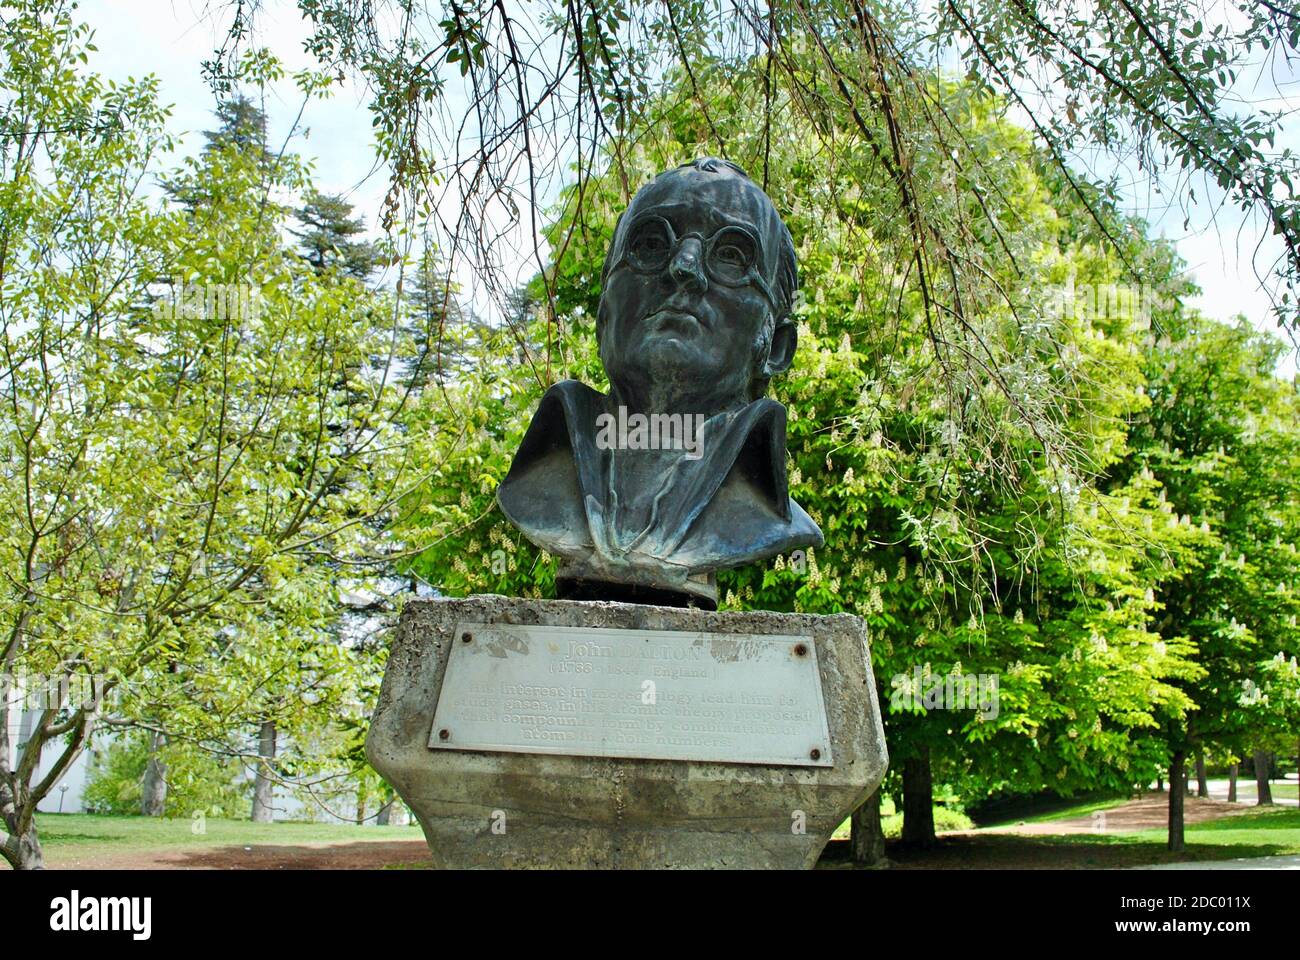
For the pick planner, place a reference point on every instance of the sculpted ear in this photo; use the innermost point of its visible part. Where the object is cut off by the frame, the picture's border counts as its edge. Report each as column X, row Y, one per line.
column 784, row 339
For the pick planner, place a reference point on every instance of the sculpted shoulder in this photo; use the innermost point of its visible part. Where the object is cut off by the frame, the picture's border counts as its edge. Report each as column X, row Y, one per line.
column 542, row 493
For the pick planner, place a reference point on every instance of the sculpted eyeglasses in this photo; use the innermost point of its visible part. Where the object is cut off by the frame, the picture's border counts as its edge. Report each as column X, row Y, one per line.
column 730, row 256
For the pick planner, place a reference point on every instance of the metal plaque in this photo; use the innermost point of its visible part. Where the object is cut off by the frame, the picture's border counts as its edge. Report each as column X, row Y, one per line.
column 652, row 694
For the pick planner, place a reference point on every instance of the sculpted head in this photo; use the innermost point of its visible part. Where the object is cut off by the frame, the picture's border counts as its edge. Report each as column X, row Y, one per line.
column 696, row 292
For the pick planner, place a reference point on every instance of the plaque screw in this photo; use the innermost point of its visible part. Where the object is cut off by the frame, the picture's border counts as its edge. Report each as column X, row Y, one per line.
column 800, row 650
column 445, row 734
column 466, row 637
column 814, row 753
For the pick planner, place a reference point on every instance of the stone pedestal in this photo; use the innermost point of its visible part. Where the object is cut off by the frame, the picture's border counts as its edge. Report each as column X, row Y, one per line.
column 501, row 810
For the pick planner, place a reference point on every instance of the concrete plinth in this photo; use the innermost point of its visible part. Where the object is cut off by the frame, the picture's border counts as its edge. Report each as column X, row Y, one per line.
column 495, row 810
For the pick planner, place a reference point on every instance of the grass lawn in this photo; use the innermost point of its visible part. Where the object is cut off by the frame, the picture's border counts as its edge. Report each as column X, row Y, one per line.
column 1287, row 790
column 76, row 834
column 946, row 818
column 1271, row 832
column 84, row 840
column 1085, row 809
column 1265, row 833
column 1279, row 788
column 891, row 822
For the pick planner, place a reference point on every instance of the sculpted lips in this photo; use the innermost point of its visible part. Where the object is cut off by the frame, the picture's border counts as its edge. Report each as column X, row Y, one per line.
column 674, row 321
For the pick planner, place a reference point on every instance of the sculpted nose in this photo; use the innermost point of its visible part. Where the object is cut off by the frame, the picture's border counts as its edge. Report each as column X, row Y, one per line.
column 687, row 266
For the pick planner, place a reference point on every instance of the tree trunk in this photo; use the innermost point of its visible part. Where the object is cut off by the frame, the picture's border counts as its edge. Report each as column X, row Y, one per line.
column 1264, row 792
column 867, row 836
column 1160, row 785
column 385, row 814
column 1176, row 801
column 153, row 792
column 1202, row 785
column 1232, row 783
column 20, row 843
column 264, row 785
column 918, row 800
column 24, row 853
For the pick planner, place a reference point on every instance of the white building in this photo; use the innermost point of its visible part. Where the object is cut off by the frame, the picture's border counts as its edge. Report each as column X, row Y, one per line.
column 67, row 796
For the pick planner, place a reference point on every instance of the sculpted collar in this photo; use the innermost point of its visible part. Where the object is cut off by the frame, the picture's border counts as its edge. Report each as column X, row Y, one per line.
column 728, row 508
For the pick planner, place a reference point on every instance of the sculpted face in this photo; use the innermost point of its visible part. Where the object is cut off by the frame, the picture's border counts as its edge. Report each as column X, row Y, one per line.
column 690, row 300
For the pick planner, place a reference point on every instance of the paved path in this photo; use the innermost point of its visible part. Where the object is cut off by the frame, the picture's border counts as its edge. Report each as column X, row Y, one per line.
column 1150, row 812
column 1289, row 862
column 1246, row 791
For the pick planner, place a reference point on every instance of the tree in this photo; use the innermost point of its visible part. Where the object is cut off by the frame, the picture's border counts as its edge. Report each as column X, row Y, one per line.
column 183, row 471
column 71, row 161
column 197, row 782
column 447, row 337
column 1274, row 704
column 1222, row 438
column 328, row 242
column 241, row 133
column 241, row 128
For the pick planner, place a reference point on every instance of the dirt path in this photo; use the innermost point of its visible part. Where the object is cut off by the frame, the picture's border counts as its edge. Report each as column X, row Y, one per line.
column 360, row 855
column 1150, row 812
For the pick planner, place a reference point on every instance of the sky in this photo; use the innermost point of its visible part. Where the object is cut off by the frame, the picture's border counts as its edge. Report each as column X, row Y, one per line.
column 169, row 38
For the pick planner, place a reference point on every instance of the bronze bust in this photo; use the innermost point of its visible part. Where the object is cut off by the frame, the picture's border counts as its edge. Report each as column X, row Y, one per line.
column 680, row 470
